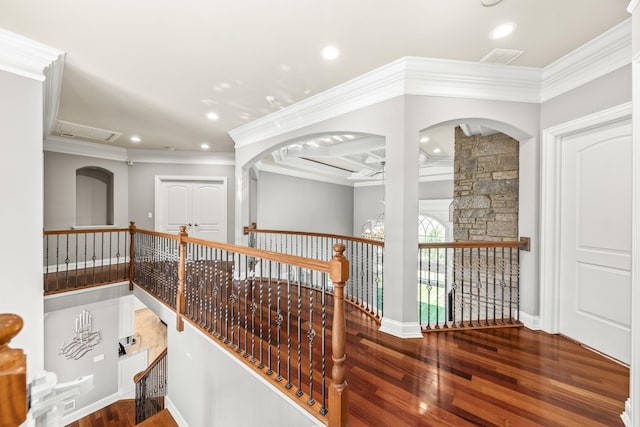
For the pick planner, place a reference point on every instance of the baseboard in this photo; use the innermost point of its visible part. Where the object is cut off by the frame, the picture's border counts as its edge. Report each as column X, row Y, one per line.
column 83, row 412
column 531, row 322
column 168, row 404
column 400, row 329
column 626, row 415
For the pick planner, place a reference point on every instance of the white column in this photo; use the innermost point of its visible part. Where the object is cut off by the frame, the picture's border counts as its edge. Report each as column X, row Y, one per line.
column 401, row 237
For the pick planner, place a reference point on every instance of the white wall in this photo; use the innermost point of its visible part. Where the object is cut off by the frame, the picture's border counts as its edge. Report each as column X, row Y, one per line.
column 21, row 193
column 289, row 203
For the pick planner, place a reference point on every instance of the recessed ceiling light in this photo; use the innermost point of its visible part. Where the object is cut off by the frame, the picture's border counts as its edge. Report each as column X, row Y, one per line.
column 135, row 139
column 349, row 136
column 271, row 99
column 338, row 138
column 503, row 30
column 436, row 150
column 330, row 53
column 424, row 139
column 212, row 116
column 204, row 146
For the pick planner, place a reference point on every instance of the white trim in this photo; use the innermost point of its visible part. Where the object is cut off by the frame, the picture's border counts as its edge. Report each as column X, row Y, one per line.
column 550, row 163
column 401, row 329
column 262, row 167
column 405, row 76
column 632, row 5
column 530, row 321
column 626, row 415
column 84, row 290
column 52, row 88
column 95, row 406
column 439, row 77
column 604, row 54
column 180, row 157
column 25, row 57
column 58, row 144
column 175, row 413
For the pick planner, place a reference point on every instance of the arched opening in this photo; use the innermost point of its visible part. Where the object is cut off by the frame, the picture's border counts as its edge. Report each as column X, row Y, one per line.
column 94, row 196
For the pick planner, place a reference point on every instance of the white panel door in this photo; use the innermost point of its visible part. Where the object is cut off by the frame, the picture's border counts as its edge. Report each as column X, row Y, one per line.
column 595, row 264
column 200, row 205
column 210, row 211
column 177, row 205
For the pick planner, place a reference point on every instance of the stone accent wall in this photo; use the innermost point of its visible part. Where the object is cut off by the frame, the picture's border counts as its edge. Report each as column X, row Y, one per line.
column 485, row 187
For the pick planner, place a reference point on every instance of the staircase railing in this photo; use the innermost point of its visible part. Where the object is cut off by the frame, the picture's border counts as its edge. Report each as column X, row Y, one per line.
column 77, row 259
column 469, row 285
column 13, row 373
column 273, row 311
column 366, row 260
column 151, row 388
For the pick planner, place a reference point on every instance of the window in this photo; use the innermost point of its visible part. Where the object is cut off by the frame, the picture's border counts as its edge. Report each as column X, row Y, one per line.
column 94, row 196
column 430, row 230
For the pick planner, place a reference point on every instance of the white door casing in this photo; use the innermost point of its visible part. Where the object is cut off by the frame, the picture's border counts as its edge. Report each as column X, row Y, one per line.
column 200, row 203
column 585, row 228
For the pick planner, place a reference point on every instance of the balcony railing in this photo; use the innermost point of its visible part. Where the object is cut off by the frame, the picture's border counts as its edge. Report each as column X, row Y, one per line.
column 468, row 285
column 274, row 312
column 366, row 260
column 151, row 388
column 77, row 259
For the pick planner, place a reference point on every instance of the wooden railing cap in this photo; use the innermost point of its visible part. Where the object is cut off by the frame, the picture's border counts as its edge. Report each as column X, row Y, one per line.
column 10, row 326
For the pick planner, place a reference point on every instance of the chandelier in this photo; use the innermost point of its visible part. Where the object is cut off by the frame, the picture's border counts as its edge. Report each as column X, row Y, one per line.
column 373, row 228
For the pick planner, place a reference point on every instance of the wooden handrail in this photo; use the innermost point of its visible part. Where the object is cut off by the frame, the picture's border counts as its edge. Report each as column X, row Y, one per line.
column 473, row 244
column 137, row 377
column 84, row 231
column 13, row 373
column 248, row 230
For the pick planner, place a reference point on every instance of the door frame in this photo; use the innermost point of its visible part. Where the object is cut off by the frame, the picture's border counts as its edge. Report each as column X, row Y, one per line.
column 550, row 206
column 160, row 179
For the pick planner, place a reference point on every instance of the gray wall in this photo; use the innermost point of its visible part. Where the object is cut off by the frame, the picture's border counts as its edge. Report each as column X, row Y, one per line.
column 366, row 200
column 60, row 189
column 288, row 203
column 607, row 91
column 21, row 211
column 59, row 327
column 142, row 189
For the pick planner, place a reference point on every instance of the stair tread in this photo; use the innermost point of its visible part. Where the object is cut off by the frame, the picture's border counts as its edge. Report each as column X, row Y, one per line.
column 161, row 419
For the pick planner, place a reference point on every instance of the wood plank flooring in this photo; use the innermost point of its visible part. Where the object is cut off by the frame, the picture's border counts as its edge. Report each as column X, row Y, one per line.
column 122, row 414
column 493, row 377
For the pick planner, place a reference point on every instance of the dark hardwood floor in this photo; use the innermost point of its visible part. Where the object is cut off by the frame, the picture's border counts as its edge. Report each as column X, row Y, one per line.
column 119, row 414
column 493, row 377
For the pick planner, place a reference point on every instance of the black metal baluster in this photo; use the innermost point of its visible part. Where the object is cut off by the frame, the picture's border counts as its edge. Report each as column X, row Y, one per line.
column 323, row 409
column 278, row 320
column 289, row 385
column 261, row 364
column 299, row 391
column 311, row 333
column 269, row 311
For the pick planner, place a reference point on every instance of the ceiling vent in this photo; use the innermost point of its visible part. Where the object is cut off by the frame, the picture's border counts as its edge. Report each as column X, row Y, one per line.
column 502, row 56
column 78, row 131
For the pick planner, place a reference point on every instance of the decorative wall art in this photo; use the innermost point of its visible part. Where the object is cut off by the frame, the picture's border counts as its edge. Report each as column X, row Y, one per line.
column 84, row 339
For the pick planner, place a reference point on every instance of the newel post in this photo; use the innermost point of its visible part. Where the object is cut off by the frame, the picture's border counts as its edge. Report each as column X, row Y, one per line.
column 132, row 230
column 13, row 373
column 338, row 391
column 181, row 273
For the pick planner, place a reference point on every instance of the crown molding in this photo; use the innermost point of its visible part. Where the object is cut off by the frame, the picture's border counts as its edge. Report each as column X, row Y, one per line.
column 76, row 147
column 180, row 157
column 24, row 57
column 632, row 5
column 62, row 145
column 405, row 76
column 604, row 54
column 52, row 88
column 438, row 77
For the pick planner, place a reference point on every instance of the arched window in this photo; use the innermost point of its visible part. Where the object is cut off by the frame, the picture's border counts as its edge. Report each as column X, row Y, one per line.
column 94, row 196
column 430, row 230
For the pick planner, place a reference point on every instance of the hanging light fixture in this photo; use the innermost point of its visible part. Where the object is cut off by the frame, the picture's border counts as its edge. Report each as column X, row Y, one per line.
column 374, row 227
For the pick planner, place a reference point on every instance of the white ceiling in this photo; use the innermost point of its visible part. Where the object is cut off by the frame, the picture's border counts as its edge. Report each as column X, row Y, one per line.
column 155, row 68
